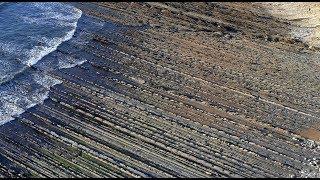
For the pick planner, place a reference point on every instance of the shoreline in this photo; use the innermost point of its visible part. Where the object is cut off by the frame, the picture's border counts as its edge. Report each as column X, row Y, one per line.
column 28, row 68
column 189, row 96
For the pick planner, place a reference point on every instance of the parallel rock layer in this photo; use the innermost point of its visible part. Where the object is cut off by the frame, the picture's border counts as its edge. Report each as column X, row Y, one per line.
column 173, row 90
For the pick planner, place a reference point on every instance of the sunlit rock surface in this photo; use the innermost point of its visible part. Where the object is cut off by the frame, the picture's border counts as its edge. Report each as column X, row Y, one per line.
column 175, row 90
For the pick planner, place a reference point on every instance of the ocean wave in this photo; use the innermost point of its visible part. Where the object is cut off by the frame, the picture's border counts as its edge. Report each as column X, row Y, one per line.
column 38, row 40
column 30, row 33
column 38, row 52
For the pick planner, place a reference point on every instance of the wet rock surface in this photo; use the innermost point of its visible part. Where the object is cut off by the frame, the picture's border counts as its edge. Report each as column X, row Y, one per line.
column 173, row 90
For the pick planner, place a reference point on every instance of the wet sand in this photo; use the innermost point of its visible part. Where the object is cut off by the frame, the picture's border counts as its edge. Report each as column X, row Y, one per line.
column 174, row 90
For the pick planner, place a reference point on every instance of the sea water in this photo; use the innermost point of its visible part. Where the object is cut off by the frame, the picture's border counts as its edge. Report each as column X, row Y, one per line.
column 28, row 33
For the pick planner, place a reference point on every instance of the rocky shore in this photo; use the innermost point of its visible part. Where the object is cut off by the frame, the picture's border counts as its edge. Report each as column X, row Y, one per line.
column 174, row 90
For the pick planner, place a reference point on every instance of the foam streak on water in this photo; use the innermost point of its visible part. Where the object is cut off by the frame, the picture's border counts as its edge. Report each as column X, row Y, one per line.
column 28, row 33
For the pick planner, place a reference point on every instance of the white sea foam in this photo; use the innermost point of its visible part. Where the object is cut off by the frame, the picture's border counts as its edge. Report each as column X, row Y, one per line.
column 45, row 80
column 38, row 52
column 54, row 13
column 7, row 111
column 70, row 62
column 10, row 48
column 18, row 97
column 33, row 88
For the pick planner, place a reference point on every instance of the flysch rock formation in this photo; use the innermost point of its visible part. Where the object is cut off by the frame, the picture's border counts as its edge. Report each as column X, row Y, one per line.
column 195, row 89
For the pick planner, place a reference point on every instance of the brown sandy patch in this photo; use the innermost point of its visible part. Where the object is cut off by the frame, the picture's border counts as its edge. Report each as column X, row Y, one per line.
column 311, row 133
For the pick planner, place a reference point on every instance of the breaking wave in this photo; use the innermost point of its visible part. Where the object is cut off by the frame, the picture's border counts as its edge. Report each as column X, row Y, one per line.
column 28, row 33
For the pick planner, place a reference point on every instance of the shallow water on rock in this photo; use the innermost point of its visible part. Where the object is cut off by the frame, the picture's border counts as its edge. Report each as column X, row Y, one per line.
column 28, row 33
